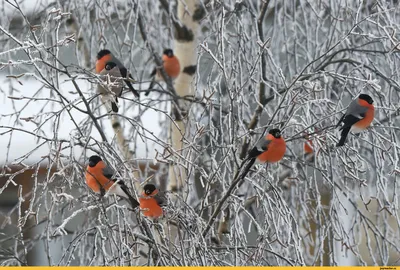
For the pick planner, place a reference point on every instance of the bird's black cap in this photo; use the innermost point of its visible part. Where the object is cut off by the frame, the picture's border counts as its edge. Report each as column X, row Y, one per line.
column 93, row 160
column 101, row 53
column 169, row 52
column 367, row 98
column 149, row 188
column 275, row 132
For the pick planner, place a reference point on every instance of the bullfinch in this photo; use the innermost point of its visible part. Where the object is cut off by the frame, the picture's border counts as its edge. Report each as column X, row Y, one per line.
column 108, row 64
column 171, row 66
column 308, row 148
column 99, row 177
column 151, row 201
column 358, row 117
column 269, row 149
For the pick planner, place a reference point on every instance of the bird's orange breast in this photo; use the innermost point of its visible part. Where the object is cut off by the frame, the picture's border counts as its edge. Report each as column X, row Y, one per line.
column 171, row 66
column 367, row 120
column 92, row 183
column 150, row 207
column 101, row 63
column 276, row 151
column 95, row 178
column 308, row 147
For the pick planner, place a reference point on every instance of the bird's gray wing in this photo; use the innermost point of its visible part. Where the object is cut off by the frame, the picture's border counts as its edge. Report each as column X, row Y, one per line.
column 116, row 61
column 260, row 147
column 355, row 112
column 161, row 198
column 108, row 172
column 355, row 109
column 125, row 75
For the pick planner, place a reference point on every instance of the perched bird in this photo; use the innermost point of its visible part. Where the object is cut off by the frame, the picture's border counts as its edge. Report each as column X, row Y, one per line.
column 99, row 179
column 151, row 201
column 108, row 64
column 112, row 70
column 270, row 149
column 308, row 146
column 308, row 149
column 171, row 66
column 358, row 117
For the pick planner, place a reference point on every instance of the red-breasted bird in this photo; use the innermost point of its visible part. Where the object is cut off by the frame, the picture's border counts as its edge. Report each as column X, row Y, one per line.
column 308, row 148
column 171, row 66
column 270, row 149
column 99, row 177
column 151, row 201
column 108, row 64
column 358, row 117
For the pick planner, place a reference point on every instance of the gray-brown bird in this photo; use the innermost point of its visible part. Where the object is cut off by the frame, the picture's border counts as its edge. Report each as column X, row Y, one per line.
column 107, row 63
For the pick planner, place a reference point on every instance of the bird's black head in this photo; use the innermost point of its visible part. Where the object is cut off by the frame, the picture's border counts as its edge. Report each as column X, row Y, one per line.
column 367, row 98
column 110, row 65
column 93, row 160
column 169, row 52
column 275, row 132
column 102, row 53
column 149, row 189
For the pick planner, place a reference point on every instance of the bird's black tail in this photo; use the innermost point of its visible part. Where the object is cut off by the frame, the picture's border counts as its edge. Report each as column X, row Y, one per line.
column 340, row 120
column 247, row 168
column 132, row 200
column 150, row 86
column 132, row 89
column 153, row 81
column 343, row 137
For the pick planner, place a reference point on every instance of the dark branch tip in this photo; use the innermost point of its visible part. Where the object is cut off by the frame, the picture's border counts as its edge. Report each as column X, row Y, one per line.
column 198, row 13
column 116, row 125
column 69, row 21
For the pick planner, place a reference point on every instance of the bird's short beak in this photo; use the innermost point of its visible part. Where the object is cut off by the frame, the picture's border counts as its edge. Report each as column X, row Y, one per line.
column 278, row 134
column 91, row 164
